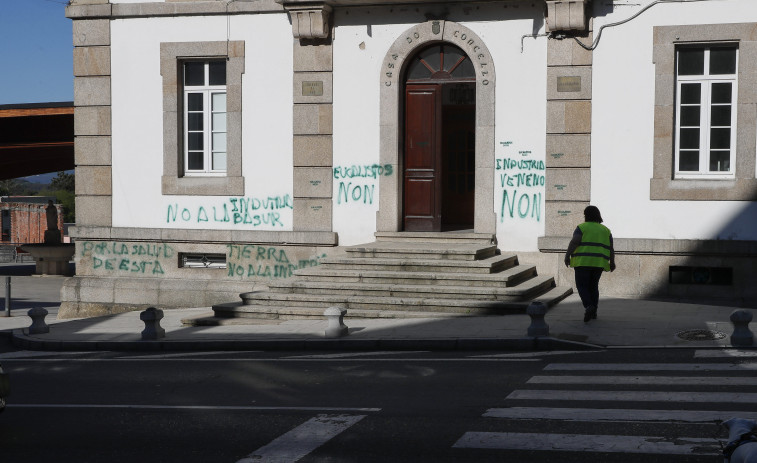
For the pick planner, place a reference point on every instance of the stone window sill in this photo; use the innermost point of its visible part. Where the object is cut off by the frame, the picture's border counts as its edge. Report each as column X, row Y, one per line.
column 740, row 189
column 203, row 186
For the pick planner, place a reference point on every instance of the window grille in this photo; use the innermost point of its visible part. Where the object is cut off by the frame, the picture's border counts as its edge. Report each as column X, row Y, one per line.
column 187, row 260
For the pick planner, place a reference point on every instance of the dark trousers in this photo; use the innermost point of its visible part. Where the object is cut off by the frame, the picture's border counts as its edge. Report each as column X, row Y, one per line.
column 587, row 284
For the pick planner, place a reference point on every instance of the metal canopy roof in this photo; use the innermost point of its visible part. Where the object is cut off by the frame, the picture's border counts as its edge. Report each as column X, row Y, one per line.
column 36, row 138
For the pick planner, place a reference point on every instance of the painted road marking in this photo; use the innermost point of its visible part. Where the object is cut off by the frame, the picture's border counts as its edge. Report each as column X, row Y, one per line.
column 635, row 396
column 303, row 439
column 634, row 380
column 589, row 443
column 615, row 415
column 674, row 444
column 652, row 366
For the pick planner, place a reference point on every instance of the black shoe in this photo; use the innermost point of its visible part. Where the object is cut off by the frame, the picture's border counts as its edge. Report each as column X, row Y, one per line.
column 594, row 315
column 587, row 316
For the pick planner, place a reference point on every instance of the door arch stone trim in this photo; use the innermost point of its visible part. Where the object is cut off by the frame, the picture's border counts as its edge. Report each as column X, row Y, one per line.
column 389, row 214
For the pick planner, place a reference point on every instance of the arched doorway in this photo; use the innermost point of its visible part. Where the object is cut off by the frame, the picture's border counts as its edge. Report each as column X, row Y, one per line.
column 440, row 113
column 393, row 92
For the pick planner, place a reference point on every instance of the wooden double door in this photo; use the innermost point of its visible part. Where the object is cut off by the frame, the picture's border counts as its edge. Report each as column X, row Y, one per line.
column 439, row 162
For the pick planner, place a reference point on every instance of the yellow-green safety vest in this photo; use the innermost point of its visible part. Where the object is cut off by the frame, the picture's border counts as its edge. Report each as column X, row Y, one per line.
column 594, row 250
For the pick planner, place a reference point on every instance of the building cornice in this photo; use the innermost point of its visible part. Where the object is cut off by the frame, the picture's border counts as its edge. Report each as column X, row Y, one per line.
column 349, row 3
column 154, row 9
column 310, row 19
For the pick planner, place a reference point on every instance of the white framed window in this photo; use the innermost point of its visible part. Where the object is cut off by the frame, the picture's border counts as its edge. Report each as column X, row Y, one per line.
column 205, row 128
column 706, row 91
column 212, row 180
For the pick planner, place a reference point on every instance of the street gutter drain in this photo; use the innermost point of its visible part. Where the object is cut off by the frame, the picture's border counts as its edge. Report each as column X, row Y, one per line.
column 700, row 335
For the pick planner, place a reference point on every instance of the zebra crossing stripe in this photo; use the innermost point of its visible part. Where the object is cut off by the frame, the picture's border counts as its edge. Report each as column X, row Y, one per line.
column 615, row 415
column 588, row 443
column 657, row 380
column 636, row 396
column 303, row 439
column 674, row 445
column 652, row 366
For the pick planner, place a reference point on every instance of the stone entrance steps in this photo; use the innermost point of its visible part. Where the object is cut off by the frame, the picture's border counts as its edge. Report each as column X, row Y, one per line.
column 508, row 277
column 483, row 266
column 536, row 285
column 405, row 275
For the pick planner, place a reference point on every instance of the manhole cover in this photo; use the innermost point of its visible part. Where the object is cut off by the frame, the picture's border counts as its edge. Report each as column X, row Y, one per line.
column 700, row 335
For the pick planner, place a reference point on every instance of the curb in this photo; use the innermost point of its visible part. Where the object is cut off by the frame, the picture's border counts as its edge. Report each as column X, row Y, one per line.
column 23, row 341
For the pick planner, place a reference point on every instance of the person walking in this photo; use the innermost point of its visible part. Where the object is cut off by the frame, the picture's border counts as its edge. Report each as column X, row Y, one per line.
column 590, row 252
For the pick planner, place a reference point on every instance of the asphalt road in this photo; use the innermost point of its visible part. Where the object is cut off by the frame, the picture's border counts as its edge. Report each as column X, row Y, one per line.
column 615, row 405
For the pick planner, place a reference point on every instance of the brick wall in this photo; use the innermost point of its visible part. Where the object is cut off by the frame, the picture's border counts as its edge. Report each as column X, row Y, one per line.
column 28, row 222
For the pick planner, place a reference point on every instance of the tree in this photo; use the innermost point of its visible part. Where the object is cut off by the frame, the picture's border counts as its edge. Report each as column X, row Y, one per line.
column 9, row 187
column 64, row 181
column 68, row 201
column 62, row 187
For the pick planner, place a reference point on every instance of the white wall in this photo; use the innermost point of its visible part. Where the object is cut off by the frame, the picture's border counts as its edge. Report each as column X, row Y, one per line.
column 520, row 135
column 357, row 61
column 623, row 128
column 622, row 118
column 362, row 40
column 137, row 111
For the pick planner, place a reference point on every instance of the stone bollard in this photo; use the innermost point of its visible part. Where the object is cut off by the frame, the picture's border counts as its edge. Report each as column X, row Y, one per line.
column 7, row 296
column 741, row 335
column 336, row 327
column 152, row 317
column 537, row 311
column 38, row 325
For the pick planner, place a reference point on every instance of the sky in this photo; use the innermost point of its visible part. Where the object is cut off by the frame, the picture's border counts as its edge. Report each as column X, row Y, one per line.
column 36, row 52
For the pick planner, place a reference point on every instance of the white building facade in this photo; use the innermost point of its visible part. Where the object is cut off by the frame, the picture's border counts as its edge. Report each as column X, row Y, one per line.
column 222, row 145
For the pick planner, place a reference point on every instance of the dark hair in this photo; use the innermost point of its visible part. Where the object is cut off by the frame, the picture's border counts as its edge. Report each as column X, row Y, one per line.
column 591, row 214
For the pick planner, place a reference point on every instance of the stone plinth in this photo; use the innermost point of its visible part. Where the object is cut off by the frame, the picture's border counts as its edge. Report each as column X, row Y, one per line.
column 51, row 259
column 52, row 237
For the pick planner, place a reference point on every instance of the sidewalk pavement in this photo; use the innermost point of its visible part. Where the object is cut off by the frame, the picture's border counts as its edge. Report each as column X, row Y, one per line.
column 621, row 323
